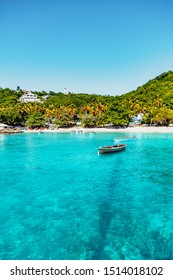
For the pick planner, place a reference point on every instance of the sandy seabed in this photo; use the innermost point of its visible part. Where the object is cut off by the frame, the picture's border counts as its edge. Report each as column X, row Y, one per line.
column 148, row 129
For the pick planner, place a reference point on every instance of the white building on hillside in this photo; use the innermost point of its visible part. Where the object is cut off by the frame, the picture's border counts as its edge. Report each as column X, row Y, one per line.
column 28, row 96
column 3, row 126
column 137, row 119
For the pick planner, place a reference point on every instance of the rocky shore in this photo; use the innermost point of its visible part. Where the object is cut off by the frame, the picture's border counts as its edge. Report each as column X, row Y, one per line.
column 10, row 131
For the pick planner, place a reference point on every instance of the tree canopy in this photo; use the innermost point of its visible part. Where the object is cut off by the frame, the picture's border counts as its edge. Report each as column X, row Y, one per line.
column 154, row 99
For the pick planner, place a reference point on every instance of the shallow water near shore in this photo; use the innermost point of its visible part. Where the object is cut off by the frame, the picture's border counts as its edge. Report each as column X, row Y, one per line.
column 60, row 200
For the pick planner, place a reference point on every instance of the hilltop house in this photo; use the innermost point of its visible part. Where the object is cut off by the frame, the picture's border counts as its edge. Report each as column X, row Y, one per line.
column 136, row 120
column 28, row 96
column 3, row 126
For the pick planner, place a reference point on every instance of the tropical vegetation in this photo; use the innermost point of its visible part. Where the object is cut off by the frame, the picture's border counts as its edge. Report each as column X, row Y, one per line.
column 153, row 99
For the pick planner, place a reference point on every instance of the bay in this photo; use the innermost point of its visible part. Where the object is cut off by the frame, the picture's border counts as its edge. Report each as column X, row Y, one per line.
column 60, row 200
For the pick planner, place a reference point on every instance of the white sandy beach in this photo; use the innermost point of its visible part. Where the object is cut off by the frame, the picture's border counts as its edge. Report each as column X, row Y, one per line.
column 138, row 129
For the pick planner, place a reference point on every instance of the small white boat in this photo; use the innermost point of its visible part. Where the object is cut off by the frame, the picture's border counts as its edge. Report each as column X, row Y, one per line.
column 125, row 138
column 78, row 130
column 92, row 132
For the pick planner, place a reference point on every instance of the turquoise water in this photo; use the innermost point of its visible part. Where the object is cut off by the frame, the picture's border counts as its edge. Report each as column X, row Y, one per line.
column 59, row 199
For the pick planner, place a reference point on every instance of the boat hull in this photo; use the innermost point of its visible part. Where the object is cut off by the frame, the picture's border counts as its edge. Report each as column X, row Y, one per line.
column 111, row 149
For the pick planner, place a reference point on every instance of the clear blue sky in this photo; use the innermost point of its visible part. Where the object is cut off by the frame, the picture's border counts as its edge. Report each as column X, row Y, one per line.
column 92, row 46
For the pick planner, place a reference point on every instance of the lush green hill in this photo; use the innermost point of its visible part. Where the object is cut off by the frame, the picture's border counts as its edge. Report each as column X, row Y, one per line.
column 154, row 99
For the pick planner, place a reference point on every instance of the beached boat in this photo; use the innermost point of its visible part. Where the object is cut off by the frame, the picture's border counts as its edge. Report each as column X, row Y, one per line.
column 111, row 149
column 125, row 138
column 40, row 132
column 92, row 132
column 78, row 130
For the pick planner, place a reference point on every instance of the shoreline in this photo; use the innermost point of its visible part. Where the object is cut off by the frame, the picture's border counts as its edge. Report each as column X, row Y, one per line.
column 149, row 129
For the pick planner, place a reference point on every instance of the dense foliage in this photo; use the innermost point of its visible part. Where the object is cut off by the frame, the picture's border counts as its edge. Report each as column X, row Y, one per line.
column 154, row 100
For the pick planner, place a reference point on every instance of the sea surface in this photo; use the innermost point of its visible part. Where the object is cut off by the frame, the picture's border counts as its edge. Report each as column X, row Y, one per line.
column 60, row 200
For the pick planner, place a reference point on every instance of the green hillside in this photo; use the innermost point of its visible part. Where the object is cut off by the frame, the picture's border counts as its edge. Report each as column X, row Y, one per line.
column 153, row 99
